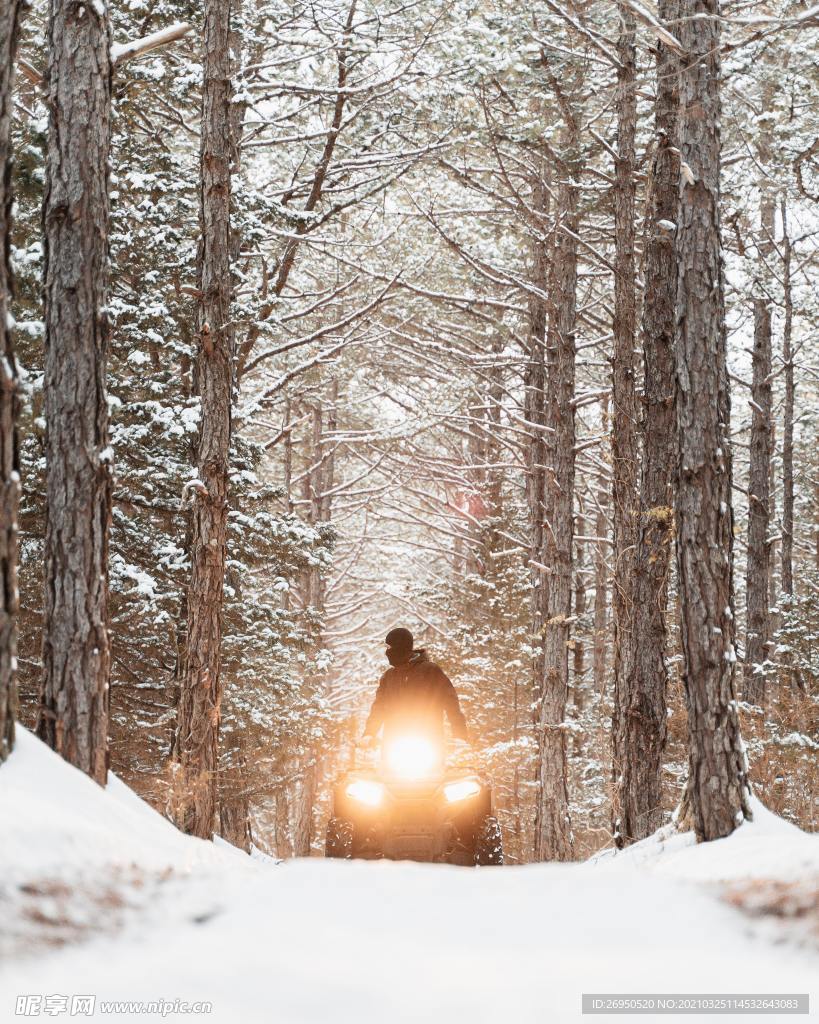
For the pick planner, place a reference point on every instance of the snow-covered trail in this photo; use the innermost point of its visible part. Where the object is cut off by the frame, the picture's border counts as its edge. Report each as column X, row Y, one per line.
column 315, row 940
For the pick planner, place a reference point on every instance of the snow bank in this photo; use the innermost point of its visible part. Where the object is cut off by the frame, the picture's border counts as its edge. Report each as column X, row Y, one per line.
column 767, row 847
column 315, row 941
column 56, row 819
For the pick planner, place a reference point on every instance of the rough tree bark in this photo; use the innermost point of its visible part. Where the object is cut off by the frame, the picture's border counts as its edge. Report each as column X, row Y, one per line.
column 200, row 698
column 282, row 832
column 305, row 797
column 787, row 415
column 758, row 568
column 553, row 837
column 73, row 714
column 601, row 570
column 234, row 802
column 494, row 483
column 534, row 385
column 578, row 647
column 759, row 577
column 234, row 779
column 311, row 497
column 718, row 787
column 318, row 486
column 624, row 434
column 645, row 684
column 9, row 466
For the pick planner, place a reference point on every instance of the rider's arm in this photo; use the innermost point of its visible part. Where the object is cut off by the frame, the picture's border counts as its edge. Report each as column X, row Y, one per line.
column 452, row 707
column 376, row 716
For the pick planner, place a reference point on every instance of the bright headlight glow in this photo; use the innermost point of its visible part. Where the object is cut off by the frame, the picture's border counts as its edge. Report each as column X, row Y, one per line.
column 366, row 792
column 461, row 790
column 412, row 757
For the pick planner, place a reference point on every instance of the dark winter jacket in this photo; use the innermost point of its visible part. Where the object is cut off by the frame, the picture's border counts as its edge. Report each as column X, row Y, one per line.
column 414, row 697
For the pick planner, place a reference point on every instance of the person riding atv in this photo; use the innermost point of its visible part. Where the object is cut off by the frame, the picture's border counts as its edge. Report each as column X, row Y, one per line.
column 413, row 696
column 412, row 807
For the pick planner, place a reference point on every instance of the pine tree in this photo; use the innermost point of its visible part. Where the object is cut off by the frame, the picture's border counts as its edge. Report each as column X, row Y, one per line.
column 646, row 681
column 9, row 468
column 553, row 828
column 201, row 684
column 758, row 562
column 717, row 783
column 625, row 743
column 73, row 716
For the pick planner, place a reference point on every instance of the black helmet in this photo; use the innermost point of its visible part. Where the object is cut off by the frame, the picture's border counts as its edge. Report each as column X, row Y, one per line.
column 400, row 640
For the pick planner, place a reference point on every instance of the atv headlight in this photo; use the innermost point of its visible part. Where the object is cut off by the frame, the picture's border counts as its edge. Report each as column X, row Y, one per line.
column 366, row 792
column 462, row 789
column 412, row 757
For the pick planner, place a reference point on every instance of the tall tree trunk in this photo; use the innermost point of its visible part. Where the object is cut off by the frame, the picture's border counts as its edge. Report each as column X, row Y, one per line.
column 73, row 716
column 287, row 482
column 718, row 786
column 234, row 802
column 578, row 647
column 475, row 471
column 312, row 493
column 201, row 687
column 553, row 838
column 9, row 466
column 625, row 731
column 534, row 390
column 787, row 425
column 645, row 685
column 320, row 481
column 759, row 578
column 282, row 836
column 494, row 483
column 758, row 569
column 601, row 572
column 305, row 798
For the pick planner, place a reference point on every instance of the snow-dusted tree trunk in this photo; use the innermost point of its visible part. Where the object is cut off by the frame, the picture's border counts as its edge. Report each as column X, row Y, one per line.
column 73, row 716
column 758, row 565
column 757, row 580
column 201, row 686
column 787, row 412
column 578, row 646
column 717, row 768
column 625, row 739
column 534, row 383
column 494, row 482
column 9, row 475
column 311, row 495
column 282, row 832
column 553, row 826
column 645, row 726
column 320, row 480
column 601, row 571
column 303, row 806
column 234, row 801
column 235, row 782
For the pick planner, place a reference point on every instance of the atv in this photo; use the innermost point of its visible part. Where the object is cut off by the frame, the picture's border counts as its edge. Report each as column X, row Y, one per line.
column 411, row 807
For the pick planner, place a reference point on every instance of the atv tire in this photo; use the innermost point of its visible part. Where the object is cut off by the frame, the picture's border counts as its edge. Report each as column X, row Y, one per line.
column 489, row 842
column 339, row 843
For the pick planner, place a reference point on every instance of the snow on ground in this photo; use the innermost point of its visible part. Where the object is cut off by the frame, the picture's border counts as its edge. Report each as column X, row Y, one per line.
column 64, row 820
column 106, row 898
column 767, row 847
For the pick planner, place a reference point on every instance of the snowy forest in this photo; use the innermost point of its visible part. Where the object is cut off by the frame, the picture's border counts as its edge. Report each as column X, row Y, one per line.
column 409, row 468
column 498, row 323
column 494, row 321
